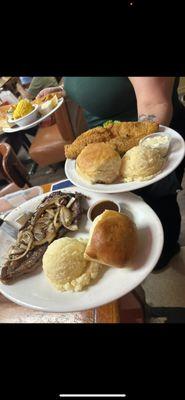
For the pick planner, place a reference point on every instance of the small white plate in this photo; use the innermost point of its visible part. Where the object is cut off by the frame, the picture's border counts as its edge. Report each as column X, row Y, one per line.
column 34, row 290
column 38, row 121
column 174, row 158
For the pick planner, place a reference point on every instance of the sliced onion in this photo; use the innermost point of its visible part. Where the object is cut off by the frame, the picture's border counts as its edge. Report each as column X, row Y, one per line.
column 72, row 227
column 51, row 213
column 26, row 250
column 22, row 246
column 48, row 239
column 71, row 201
column 16, row 251
column 44, row 225
column 46, row 205
column 66, row 216
column 55, row 223
column 51, row 227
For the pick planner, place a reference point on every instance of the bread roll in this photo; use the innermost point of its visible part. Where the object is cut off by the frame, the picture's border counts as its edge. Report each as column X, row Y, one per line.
column 98, row 163
column 113, row 239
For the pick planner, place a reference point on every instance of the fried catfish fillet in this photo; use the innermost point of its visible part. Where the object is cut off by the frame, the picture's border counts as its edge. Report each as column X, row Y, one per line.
column 134, row 129
column 95, row 135
column 128, row 134
column 122, row 136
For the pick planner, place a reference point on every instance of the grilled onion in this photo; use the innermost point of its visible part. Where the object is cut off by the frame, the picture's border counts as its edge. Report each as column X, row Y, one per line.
column 53, row 213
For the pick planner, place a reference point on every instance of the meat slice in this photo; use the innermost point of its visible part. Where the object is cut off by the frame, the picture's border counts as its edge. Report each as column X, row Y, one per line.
column 40, row 230
column 32, row 260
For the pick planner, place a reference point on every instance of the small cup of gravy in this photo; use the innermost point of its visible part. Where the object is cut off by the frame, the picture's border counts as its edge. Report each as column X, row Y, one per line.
column 100, row 206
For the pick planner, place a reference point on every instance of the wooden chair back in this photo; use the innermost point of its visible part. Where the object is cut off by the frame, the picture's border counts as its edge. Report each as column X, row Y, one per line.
column 11, row 167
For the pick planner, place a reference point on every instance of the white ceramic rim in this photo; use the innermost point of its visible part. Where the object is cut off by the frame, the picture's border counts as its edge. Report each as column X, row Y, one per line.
column 173, row 160
column 157, row 134
column 35, row 123
column 90, row 301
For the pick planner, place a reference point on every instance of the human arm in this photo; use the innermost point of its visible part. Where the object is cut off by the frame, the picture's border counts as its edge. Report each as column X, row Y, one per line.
column 154, row 97
column 54, row 89
column 23, row 92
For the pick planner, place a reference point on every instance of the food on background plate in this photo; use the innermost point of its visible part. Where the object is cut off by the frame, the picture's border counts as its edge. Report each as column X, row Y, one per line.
column 49, row 96
column 65, row 267
column 23, row 108
column 112, row 240
column 48, row 106
column 121, row 135
column 10, row 111
column 57, row 214
column 98, row 163
column 140, row 164
column 94, row 135
column 3, row 116
column 157, row 141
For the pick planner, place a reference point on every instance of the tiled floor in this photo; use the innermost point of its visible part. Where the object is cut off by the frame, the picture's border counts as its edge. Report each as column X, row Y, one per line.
column 167, row 288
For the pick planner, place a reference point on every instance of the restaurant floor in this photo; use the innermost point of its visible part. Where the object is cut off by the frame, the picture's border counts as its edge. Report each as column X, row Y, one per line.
column 165, row 291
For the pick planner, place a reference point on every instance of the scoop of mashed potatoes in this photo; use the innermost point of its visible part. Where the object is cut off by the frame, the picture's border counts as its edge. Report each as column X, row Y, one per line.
column 141, row 163
column 65, row 267
column 98, row 163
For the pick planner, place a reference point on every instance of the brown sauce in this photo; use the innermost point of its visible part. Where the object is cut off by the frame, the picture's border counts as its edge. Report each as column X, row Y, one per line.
column 101, row 207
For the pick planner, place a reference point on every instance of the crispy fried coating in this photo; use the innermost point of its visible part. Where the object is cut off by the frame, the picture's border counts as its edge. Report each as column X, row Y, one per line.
column 134, row 129
column 121, row 145
column 122, row 136
column 95, row 135
column 129, row 134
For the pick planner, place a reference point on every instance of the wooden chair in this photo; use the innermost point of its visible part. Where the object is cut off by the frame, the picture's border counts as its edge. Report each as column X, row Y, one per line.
column 12, row 170
column 47, row 147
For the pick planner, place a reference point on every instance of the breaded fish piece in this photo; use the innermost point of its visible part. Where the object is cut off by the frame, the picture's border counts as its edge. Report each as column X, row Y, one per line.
column 121, row 145
column 134, row 129
column 122, row 136
column 95, row 135
column 129, row 134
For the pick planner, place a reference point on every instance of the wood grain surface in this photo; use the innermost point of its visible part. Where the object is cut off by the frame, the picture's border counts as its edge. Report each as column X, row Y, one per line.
column 13, row 313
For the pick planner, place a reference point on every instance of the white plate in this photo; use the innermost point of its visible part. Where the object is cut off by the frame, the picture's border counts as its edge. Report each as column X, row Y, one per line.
column 174, row 158
column 34, row 290
column 38, row 121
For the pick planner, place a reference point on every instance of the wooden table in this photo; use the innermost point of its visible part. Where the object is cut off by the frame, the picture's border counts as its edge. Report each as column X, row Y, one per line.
column 13, row 313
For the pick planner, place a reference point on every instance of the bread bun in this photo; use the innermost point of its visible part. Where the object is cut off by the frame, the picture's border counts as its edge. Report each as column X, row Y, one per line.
column 98, row 163
column 113, row 239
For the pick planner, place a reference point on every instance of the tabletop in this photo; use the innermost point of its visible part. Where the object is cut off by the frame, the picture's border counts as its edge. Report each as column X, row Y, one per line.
column 13, row 313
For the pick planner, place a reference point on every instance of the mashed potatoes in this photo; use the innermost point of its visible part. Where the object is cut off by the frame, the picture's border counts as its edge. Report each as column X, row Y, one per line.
column 139, row 164
column 65, row 267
